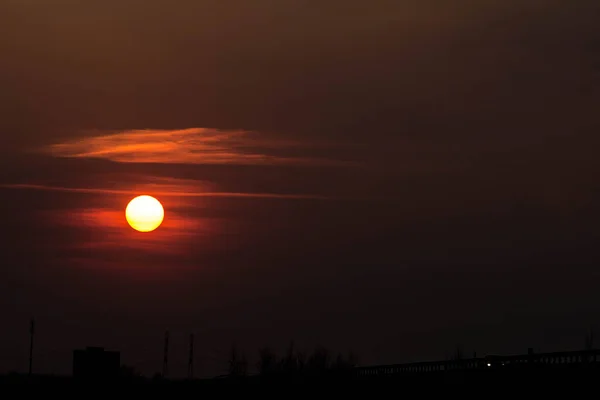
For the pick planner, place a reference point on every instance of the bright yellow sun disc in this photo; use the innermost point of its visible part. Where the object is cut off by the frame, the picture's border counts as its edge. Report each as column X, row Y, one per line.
column 144, row 213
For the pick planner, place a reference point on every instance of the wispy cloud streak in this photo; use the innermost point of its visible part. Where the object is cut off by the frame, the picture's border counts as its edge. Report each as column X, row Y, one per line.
column 186, row 146
column 160, row 192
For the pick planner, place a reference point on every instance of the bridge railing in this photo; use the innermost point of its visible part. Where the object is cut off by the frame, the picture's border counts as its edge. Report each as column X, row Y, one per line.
column 555, row 359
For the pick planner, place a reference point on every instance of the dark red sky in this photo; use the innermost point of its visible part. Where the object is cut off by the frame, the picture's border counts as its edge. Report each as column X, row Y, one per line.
column 391, row 177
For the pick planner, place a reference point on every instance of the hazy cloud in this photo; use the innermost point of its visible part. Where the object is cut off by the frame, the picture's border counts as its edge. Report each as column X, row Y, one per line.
column 114, row 234
column 159, row 191
column 185, row 146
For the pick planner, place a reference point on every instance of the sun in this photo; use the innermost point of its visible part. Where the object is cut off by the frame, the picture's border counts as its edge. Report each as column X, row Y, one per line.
column 144, row 213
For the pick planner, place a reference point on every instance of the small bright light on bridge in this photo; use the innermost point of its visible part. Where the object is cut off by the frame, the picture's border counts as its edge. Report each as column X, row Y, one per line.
column 489, row 365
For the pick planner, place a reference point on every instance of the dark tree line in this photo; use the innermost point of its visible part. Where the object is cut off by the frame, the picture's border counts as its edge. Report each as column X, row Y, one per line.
column 292, row 363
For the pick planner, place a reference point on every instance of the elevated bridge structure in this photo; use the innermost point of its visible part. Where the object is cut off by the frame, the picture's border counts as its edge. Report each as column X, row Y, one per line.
column 555, row 360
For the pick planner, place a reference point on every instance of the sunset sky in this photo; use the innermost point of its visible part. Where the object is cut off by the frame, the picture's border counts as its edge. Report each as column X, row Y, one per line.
column 391, row 177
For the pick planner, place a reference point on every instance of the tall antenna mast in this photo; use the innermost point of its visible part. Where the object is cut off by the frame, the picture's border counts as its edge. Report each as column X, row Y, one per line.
column 31, row 333
column 191, row 358
column 166, row 356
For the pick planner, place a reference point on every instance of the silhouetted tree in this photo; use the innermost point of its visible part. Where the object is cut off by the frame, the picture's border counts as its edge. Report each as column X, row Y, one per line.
column 340, row 362
column 301, row 361
column 345, row 363
column 353, row 359
column 267, row 362
column 289, row 363
column 238, row 366
column 295, row 364
column 458, row 354
column 319, row 360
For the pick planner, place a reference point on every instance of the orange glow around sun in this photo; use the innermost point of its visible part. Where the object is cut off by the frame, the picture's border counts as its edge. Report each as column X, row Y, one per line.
column 144, row 213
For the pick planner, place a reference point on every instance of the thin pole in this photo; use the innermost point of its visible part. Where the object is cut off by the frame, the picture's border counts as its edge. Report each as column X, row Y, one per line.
column 191, row 358
column 166, row 355
column 31, row 333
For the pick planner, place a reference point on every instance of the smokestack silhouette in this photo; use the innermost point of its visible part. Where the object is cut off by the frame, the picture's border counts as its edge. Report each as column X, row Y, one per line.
column 166, row 355
column 31, row 333
column 191, row 358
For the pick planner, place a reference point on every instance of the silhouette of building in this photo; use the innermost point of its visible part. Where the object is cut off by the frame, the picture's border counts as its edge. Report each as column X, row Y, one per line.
column 95, row 362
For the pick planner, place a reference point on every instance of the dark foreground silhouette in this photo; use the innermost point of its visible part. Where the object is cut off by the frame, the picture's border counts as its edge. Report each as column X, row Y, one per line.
column 578, row 366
